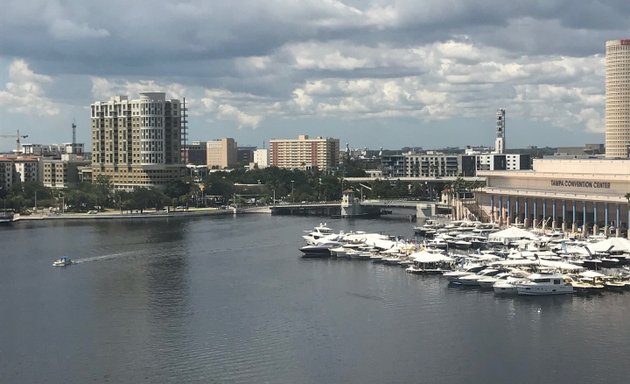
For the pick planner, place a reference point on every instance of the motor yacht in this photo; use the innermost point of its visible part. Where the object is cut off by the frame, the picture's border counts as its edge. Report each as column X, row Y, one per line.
column 452, row 276
column 473, row 278
column 319, row 249
column 318, row 233
column 539, row 284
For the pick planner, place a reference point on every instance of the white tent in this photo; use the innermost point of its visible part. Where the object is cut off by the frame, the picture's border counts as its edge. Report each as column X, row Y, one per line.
column 592, row 274
column 512, row 233
column 429, row 257
column 615, row 244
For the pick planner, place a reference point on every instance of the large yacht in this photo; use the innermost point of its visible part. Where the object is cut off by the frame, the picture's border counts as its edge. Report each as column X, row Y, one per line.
column 318, row 233
column 544, row 284
column 319, row 249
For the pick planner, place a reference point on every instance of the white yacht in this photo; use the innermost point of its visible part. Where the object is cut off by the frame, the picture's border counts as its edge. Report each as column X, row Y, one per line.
column 318, row 233
column 538, row 284
column 473, row 278
column 452, row 276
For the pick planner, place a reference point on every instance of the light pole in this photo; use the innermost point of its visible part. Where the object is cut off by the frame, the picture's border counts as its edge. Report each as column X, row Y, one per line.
column 319, row 190
column 292, row 190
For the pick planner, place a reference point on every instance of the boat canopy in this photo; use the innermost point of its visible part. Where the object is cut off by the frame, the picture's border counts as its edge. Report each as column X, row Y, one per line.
column 430, row 257
column 613, row 244
column 512, row 233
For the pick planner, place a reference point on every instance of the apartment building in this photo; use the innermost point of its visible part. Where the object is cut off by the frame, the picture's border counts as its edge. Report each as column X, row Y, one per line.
column 137, row 143
column 304, row 153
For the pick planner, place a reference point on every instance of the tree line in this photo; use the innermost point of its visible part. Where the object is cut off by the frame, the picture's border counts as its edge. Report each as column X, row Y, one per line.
column 237, row 187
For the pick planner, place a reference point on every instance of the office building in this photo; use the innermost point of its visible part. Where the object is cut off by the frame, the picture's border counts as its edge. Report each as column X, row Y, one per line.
column 137, row 143
column 618, row 98
column 304, row 153
column 245, row 155
column 196, row 152
column 221, row 153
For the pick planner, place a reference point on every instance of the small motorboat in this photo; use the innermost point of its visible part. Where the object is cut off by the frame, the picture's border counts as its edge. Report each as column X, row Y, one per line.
column 62, row 262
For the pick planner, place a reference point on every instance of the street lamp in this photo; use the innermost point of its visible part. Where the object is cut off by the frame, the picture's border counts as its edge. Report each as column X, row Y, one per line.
column 319, row 189
column 292, row 190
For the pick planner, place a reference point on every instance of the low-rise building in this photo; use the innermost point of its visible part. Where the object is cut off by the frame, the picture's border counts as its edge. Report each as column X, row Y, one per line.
column 60, row 174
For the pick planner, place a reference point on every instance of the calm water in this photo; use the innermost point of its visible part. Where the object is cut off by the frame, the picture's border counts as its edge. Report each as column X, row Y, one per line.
column 229, row 300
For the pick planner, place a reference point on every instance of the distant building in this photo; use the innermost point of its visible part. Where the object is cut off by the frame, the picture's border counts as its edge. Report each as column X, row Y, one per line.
column 502, row 162
column 434, row 164
column 499, row 144
column 618, row 98
column 261, row 158
column 245, row 155
column 221, row 153
column 6, row 175
column 27, row 169
column 137, row 143
column 393, row 165
column 18, row 169
column 305, row 153
column 52, row 150
column 196, row 152
column 60, row 174
column 585, row 151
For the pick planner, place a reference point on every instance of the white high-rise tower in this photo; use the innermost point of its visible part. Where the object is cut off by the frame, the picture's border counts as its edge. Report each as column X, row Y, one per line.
column 499, row 143
column 618, row 98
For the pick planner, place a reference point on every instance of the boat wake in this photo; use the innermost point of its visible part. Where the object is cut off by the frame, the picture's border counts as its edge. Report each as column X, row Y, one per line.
column 102, row 257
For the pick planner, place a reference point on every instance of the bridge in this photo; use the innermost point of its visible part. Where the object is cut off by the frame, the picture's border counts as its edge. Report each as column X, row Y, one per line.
column 445, row 179
column 366, row 208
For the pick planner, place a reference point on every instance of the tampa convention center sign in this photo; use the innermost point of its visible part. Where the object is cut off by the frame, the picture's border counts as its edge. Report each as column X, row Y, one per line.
column 581, row 184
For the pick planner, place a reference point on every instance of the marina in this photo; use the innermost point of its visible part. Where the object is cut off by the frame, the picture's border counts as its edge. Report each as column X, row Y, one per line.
column 508, row 261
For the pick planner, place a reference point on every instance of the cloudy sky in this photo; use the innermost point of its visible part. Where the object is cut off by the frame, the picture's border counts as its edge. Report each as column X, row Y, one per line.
column 373, row 73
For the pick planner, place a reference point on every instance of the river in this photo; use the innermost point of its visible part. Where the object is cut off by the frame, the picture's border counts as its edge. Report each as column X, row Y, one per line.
column 229, row 300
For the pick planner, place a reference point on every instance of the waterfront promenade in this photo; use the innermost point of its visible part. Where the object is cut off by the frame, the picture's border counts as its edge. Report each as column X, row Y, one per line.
column 147, row 214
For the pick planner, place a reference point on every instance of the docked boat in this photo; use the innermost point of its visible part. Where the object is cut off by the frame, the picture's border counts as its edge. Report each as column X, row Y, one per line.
column 318, row 233
column 453, row 276
column 586, row 286
column 319, row 249
column 541, row 284
column 615, row 285
column 6, row 217
column 62, row 262
column 473, row 278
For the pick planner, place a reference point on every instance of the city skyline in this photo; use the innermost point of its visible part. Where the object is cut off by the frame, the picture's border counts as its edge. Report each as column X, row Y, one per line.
column 373, row 74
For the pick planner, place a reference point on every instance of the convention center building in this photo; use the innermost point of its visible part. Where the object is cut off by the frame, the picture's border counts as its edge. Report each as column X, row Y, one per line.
column 578, row 195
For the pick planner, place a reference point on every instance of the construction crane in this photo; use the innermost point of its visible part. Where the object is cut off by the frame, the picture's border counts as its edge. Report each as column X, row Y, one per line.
column 17, row 137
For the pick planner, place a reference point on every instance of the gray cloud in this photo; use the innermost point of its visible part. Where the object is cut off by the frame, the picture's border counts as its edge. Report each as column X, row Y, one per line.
column 350, row 60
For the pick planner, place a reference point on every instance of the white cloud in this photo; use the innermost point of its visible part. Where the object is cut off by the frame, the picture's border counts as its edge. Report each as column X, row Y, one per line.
column 24, row 92
column 243, row 119
column 301, row 99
